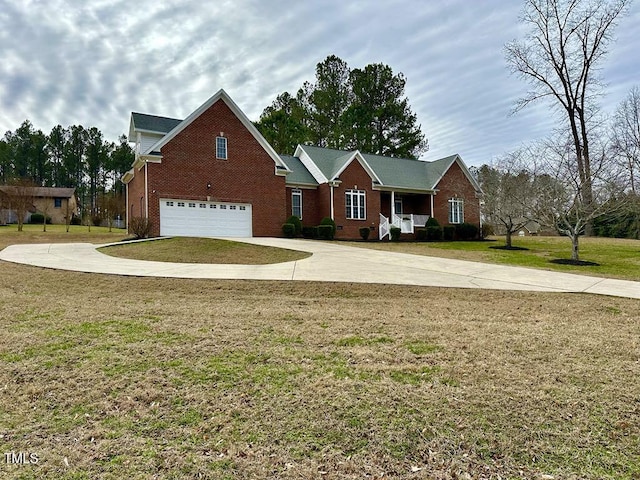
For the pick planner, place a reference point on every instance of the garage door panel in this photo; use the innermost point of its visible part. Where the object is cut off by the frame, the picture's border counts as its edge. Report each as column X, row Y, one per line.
column 205, row 219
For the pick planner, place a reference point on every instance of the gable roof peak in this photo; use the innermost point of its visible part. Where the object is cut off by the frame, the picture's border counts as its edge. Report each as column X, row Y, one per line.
column 224, row 96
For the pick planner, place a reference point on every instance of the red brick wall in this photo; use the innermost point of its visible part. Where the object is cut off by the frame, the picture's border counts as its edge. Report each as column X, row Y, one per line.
column 247, row 176
column 355, row 177
column 311, row 212
column 456, row 185
column 135, row 206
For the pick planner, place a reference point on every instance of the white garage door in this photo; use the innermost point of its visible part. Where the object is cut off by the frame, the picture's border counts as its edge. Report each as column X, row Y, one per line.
column 189, row 218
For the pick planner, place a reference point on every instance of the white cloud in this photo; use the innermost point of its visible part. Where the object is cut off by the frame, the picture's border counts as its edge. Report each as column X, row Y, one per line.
column 92, row 63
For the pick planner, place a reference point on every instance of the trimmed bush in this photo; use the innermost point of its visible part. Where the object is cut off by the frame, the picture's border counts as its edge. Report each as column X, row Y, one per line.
column 38, row 218
column 75, row 220
column 96, row 220
column 289, row 230
column 325, row 232
column 421, row 234
column 364, row 233
column 395, row 234
column 329, row 221
column 295, row 221
column 434, row 233
column 310, row 232
column 467, row 231
column 432, row 222
column 448, row 232
column 140, row 227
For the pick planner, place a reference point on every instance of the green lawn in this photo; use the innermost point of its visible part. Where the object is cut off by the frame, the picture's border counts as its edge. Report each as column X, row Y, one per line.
column 617, row 258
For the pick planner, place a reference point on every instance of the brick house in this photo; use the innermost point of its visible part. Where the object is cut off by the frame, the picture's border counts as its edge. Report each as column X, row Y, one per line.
column 214, row 174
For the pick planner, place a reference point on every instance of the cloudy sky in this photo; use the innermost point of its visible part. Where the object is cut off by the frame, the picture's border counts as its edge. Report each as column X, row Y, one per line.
column 92, row 62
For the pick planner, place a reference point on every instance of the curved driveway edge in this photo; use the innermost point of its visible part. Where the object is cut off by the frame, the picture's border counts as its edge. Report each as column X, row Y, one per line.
column 330, row 262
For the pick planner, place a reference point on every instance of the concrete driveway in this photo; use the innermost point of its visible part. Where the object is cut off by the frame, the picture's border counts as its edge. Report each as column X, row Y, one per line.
column 330, row 262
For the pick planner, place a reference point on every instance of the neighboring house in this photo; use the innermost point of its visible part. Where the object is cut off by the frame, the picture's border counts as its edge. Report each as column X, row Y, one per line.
column 55, row 202
column 214, row 174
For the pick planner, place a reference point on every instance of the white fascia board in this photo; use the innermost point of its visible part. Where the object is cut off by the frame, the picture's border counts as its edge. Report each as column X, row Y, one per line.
column 304, row 186
column 128, row 176
column 358, row 156
column 151, row 158
column 221, row 95
column 132, row 130
column 310, row 164
column 392, row 188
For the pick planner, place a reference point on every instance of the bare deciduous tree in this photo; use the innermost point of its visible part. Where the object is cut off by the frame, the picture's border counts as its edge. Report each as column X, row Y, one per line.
column 19, row 198
column 508, row 193
column 560, row 202
column 626, row 135
column 559, row 58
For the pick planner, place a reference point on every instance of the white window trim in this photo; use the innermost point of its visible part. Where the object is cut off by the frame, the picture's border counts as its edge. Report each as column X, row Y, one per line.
column 456, row 210
column 296, row 193
column 218, row 152
column 350, row 210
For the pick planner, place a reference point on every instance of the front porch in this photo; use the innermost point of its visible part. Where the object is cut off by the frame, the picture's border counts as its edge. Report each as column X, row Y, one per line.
column 404, row 211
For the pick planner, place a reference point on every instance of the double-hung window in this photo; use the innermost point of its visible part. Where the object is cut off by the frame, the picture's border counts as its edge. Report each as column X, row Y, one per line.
column 456, row 210
column 355, row 203
column 221, row 148
column 296, row 203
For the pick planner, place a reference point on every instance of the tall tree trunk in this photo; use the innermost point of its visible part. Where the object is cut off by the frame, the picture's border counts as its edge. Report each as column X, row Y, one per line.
column 508, row 238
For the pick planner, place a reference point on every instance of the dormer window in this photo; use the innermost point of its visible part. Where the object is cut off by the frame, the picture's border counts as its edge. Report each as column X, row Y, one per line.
column 221, row 148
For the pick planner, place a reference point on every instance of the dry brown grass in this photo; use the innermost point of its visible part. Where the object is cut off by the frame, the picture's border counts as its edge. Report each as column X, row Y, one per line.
column 9, row 234
column 159, row 378
column 203, row 250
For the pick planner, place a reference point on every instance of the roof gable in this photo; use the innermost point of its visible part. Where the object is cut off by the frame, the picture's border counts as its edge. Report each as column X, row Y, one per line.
column 221, row 95
column 439, row 168
column 331, row 163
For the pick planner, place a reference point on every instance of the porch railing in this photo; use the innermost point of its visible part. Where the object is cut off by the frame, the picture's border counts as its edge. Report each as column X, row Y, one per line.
column 383, row 227
column 406, row 223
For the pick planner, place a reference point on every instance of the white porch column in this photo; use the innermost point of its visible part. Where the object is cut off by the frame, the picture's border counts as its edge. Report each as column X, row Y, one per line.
column 432, row 204
column 393, row 204
column 332, row 213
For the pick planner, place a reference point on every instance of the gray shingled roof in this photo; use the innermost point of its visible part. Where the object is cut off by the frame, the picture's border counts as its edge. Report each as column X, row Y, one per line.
column 299, row 174
column 329, row 161
column 393, row 172
column 153, row 123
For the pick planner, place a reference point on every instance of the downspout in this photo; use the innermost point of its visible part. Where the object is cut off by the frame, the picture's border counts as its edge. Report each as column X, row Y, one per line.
column 126, row 206
column 146, row 191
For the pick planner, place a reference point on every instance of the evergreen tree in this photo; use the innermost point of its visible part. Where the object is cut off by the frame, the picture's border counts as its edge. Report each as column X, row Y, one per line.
column 346, row 109
column 282, row 124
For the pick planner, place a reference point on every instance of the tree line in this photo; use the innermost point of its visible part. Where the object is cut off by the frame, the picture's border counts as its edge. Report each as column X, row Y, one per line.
column 346, row 109
column 74, row 156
